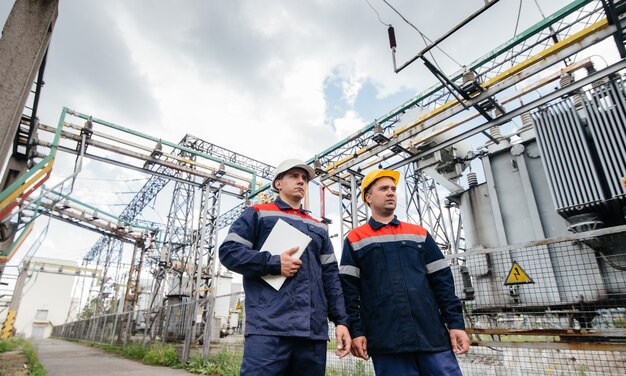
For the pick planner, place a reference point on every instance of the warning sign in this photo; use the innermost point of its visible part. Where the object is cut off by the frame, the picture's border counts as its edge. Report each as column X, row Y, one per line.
column 517, row 276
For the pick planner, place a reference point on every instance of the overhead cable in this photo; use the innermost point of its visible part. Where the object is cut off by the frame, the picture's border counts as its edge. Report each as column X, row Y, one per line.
column 519, row 12
column 424, row 37
column 377, row 15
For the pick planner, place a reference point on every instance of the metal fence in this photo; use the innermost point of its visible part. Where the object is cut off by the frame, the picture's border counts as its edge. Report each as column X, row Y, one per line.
column 550, row 307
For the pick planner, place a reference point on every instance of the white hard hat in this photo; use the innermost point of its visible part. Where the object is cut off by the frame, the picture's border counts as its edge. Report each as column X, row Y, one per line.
column 288, row 164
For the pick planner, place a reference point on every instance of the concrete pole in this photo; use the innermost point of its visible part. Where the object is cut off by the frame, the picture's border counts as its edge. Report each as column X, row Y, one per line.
column 25, row 39
column 23, row 45
column 8, row 327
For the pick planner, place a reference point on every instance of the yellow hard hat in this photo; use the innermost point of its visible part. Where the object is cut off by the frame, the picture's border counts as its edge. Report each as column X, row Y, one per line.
column 374, row 175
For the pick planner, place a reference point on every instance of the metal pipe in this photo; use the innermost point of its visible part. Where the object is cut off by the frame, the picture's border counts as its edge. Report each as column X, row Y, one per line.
column 146, row 158
column 154, row 139
column 150, row 158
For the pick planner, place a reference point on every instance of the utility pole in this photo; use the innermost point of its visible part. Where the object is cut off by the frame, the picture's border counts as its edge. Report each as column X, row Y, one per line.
column 8, row 328
column 23, row 46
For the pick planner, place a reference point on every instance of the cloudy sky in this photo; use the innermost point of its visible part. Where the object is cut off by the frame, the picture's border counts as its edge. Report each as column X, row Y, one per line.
column 270, row 80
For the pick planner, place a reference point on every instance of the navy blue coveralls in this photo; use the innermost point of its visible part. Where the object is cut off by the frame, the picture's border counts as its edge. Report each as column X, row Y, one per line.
column 288, row 327
column 399, row 290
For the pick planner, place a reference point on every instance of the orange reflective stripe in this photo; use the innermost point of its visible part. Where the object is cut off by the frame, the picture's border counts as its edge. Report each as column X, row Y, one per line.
column 366, row 231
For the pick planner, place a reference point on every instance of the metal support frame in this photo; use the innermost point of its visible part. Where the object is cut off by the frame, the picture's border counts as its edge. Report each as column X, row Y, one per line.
column 207, row 243
column 203, row 248
column 615, row 13
column 422, row 198
column 133, row 287
column 454, row 90
column 358, row 151
column 112, row 256
column 178, row 238
column 352, row 210
column 358, row 148
column 577, row 85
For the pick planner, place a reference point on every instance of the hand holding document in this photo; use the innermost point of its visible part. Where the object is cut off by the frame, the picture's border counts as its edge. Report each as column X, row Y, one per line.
column 282, row 238
column 289, row 265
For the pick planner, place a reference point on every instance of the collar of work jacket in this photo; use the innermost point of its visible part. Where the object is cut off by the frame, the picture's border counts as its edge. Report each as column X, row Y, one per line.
column 282, row 205
column 376, row 225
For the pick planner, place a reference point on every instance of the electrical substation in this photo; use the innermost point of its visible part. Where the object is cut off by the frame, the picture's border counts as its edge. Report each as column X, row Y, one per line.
column 516, row 164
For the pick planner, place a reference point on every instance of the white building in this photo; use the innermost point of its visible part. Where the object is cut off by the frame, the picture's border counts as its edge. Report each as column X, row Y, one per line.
column 46, row 297
column 226, row 298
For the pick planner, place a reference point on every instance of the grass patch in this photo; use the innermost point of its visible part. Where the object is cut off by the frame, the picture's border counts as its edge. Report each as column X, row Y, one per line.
column 156, row 353
column 8, row 345
column 222, row 364
column 134, row 351
column 159, row 354
column 358, row 367
column 26, row 347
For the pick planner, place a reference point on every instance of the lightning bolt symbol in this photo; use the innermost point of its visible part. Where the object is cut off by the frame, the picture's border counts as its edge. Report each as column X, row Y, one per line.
column 516, row 273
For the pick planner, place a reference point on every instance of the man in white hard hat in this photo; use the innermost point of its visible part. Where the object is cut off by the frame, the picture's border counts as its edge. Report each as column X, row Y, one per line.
column 287, row 329
column 399, row 291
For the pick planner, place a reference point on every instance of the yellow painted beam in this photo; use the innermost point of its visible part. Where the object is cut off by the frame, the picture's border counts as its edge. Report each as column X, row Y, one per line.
column 555, row 48
column 18, row 192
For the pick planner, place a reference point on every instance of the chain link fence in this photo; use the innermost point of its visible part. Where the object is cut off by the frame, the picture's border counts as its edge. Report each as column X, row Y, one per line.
column 550, row 307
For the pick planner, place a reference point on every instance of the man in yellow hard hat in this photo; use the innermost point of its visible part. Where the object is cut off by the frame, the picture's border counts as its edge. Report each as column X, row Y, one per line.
column 287, row 329
column 399, row 290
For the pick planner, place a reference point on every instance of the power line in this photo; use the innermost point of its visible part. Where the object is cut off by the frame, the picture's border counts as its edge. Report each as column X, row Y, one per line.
column 519, row 12
column 424, row 37
column 377, row 15
column 540, row 11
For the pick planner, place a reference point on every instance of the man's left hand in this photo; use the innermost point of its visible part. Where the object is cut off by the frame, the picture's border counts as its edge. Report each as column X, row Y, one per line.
column 343, row 341
column 460, row 341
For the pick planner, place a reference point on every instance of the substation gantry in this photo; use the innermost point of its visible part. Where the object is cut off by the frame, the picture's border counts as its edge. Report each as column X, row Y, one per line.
column 427, row 134
column 428, row 137
column 581, row 166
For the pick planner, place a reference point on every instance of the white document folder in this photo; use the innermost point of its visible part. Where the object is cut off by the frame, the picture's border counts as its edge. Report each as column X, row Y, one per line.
column 283, row 237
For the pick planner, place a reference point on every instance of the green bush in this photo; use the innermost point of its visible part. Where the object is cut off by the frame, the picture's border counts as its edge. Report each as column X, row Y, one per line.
column 134, row 350
column 161, row 355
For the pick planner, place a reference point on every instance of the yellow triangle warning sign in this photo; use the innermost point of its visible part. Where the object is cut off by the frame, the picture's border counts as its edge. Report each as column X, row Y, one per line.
column 517, row 276
column 238, row 305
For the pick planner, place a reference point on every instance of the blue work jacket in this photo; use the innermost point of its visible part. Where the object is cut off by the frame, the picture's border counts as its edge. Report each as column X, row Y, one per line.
column 305, row 302
column 398, row 288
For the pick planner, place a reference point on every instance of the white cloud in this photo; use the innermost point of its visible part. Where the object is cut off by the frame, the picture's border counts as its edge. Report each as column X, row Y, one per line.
column 248, row 76
column 348, row 124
